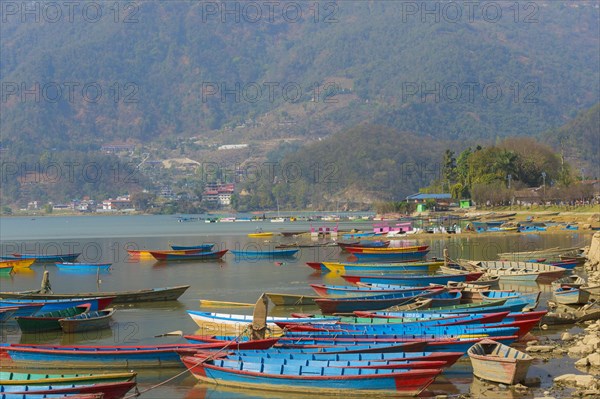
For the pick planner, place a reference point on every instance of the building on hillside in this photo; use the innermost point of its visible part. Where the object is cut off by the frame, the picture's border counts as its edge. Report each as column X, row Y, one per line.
column 117, row 204
column 232, row 147
column 218, row 193
column 115, row 148
column 420, row 199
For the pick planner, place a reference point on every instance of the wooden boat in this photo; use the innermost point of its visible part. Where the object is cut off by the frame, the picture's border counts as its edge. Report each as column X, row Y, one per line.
column 5, row 270
column 112, row 390
column 563, row 314
column 209, row 303
column 83, row 266
column 496, row 362
column 44, row 258
column 13, row 378
column 391, row 256
column 261, row 234
column 341, row 267
column 50, row 305
column 324, row 290
column 17, row 264
column 413, row 281
column 323, row 380
column 147, row 253
column 225, row 323
column 201, row 247
column 573, row 280
column 543, row 253
column 520, row 271
column 408, row 355
column 115, row 357
column 144, row 295
column 87, row 321
column 291, row 299
column 263, row 254
column 304, row 361
column 364, row 244
column 594, row 291
column 363, row 249
column 187, row 257
column 372, row 302
column 566, row 295
column 48, row 321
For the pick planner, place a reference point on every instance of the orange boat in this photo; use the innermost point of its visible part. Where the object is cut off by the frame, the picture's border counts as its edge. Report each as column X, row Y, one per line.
column 17, row 263
column 146, row 253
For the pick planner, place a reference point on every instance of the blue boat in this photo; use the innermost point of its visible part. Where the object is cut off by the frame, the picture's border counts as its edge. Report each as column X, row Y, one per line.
column 373, row 302
column 76, row 266
column 289, row 378
column 532, row 299
column 360, row 290
column 516, row 306
column 50, row 305
column 105, row 357
column 200, row 248
column 43, row 258
column 391, row 256
column 17, row 310
column 274, row 353
column 414, row 281
column 265, row 254
column 435, row 344
column 413, row 331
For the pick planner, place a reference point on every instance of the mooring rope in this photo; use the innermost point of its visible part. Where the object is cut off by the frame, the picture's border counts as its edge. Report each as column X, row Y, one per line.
column 211, row 357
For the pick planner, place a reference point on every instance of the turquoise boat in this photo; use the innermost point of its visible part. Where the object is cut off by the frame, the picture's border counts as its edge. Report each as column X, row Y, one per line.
column 76, row 266
column 265, row 254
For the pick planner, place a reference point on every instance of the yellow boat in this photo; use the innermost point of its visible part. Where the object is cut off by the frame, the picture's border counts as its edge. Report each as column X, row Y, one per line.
column 261, row 234
column 18, row 264
column 145, row 254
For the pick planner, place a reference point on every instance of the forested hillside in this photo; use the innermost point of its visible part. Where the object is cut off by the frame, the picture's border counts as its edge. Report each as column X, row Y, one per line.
column 149, row 69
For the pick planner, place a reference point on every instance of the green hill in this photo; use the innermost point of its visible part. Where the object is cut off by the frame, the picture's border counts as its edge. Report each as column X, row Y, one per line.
column 579, row 141
column 164, row 69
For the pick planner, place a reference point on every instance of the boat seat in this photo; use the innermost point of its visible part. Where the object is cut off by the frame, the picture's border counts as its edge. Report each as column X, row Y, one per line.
column 348, row 371
column 308, row 370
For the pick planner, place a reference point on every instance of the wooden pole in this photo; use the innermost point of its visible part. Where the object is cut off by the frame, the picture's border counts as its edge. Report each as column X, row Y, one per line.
column 46, row 287
column 259, row 318
column 446, row 257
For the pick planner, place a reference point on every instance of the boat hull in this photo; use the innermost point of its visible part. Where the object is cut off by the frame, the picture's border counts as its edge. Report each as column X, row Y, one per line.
column 392, row 384
column 146, row 295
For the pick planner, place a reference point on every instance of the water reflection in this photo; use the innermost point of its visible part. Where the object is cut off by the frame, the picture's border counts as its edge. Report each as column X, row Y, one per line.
column 482, row 389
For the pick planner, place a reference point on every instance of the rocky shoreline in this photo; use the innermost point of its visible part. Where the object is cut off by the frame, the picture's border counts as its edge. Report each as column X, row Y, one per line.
column 584, row 346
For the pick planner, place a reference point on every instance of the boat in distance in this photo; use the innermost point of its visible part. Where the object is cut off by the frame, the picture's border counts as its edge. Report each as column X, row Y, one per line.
column 39, row 258
column 80, row 266
column 201, row 247
column 269, row 253
column 143, row 295
column 193, row 256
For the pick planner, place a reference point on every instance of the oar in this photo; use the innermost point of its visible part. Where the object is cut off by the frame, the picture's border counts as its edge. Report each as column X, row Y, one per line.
column 177, row 333
column 210, row 303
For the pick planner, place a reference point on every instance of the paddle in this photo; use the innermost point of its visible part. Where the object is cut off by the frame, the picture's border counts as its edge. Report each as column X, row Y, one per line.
column 210, row 303
column 177, row 333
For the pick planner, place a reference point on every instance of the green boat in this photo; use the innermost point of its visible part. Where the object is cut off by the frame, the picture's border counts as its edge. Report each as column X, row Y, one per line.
column 10, row 378
column 48, row 321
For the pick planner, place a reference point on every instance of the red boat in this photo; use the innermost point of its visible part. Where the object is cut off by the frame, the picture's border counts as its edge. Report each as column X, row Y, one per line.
column 191, row 256
column 115, row 390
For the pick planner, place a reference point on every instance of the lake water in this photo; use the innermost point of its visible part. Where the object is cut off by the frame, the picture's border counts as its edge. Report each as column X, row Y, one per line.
column 106, row 238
